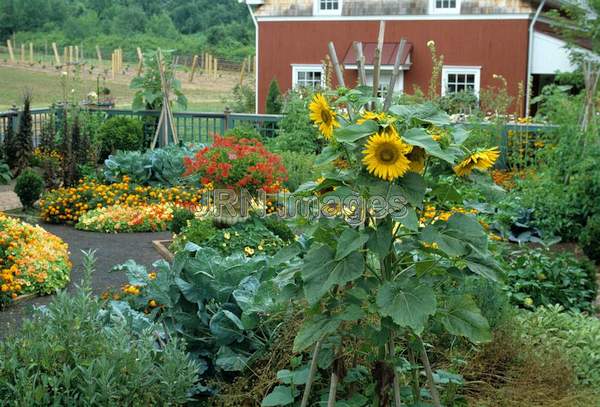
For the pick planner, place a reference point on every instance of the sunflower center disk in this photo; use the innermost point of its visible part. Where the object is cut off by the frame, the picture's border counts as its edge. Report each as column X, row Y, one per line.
column 325, row 116
column 387, row 154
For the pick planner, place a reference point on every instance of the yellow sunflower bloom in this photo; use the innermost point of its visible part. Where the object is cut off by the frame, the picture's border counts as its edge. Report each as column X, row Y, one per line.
column 417, row 159
column 322, row 115
column 384, row 156
column 386, row 122
column 480, row 160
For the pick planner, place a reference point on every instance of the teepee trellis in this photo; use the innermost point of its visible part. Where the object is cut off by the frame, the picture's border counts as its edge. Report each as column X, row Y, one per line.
column 166, row 123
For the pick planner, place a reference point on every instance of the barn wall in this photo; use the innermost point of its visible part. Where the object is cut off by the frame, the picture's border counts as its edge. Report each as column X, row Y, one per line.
column 498, row 46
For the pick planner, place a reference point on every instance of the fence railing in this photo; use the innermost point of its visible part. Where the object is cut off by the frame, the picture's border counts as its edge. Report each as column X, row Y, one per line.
column 192, row 127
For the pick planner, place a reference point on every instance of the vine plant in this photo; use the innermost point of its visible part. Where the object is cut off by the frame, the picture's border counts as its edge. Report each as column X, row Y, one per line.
column 375, row 275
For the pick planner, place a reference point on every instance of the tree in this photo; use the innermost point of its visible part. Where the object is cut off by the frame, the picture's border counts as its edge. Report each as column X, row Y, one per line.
column 580, row 22
column 274, row 104
column 24, row 139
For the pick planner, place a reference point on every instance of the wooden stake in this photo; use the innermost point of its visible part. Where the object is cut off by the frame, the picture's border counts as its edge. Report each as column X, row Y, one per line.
column 76, row 56
column 311, row 375
column 31, row 53
column 99, row 55
column 216, row 68
column 360, row 63
column 377, row 62
column 22, row 53
column 141, row 61
column 332, row 390
column 429, row 373
column 390, row 93
column 194, row 65
column 114, row 64
column 70, row 54
column 336, row 65
column 10, row 51
column 242, row 71
column 56, row 56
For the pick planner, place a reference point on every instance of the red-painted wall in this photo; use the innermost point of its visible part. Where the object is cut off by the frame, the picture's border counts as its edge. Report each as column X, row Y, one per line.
column 498, row 46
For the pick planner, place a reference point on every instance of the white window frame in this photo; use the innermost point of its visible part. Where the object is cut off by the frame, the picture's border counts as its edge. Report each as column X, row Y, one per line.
column 434, row 10
column 297, row 68
column 318, row 12
column 467, row 70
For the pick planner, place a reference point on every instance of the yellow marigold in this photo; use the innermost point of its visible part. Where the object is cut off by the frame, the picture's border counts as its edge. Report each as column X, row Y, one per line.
column 480, row 160
column 322, row 115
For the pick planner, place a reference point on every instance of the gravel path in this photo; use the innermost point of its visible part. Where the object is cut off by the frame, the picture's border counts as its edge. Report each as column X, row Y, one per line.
column 111, row 249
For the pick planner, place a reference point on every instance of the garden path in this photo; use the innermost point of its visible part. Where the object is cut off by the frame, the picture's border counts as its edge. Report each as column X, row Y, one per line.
column 111, row 249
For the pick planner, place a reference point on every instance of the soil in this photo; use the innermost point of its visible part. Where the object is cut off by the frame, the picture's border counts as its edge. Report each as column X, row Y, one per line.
column 111, row 249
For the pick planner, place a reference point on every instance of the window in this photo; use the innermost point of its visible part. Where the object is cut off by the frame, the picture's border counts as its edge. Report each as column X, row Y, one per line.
column 307, row 76
column 444, row 6
column 328, row 7
column 460, row 79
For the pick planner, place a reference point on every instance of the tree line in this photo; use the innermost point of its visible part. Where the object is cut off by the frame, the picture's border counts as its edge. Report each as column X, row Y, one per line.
column 222, row 27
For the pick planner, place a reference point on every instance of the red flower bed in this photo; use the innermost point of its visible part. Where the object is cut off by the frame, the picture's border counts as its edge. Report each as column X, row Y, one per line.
column 237, row 163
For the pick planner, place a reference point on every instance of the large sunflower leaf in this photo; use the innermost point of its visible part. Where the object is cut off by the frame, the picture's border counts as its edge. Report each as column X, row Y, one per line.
column 355, row 132
column 409, row 303
column 350, row 241
column 425, row 113
column 314, row 329
column 419, row 137
column 462, row 317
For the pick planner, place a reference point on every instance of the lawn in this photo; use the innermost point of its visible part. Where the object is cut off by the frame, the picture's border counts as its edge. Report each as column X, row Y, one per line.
column 203, row 95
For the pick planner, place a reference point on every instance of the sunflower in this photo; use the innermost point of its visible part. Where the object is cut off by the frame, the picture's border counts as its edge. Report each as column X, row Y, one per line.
column 480, row 160
column 384, row 156
column 417, row 159
column 322, row 114
column 385, row 121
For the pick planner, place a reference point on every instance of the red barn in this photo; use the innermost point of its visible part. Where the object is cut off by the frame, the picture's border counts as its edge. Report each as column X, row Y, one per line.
column 478, row 39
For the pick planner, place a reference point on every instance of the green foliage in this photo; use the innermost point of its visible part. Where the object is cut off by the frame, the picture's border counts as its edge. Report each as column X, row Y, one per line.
column 251, row 237
column 300, row 167
column 296, row 132
column 9, row 147
column 29, row 187
column 120, row 134
column 244, row 130
column 224, row 306
column 23, row 142
column 536, row 277
column 181, row 217
column 244, row 99
column 112, row 357
column 279, row 227
column 148, row 86
column 571, row 334
column 589, row 239
column 5, row 174
column 274, row 105
column 462, row 102
column 161, row 166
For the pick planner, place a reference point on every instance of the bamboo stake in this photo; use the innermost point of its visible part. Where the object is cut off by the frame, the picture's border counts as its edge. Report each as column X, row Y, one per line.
column 336, row 65
column 390, row 93
column 10, row 51
column 425, row 360
column 55, row 51
column 242, row 71
column 194, row 65
column 99, row 55
column 360, row 63
column 377, row 62
column 311, row 375
column 332, row 390
column 140, row 55
column 396, row 382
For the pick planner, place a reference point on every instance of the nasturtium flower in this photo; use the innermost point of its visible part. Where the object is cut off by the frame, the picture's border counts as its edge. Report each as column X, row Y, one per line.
column 323, row 115
column 480, row 160
column 385, row 156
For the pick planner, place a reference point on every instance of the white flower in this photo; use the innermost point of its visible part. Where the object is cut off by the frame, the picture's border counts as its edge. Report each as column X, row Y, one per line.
column 430, row 43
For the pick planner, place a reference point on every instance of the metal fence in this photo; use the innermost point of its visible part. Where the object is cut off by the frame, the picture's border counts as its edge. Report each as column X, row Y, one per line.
column 192, row 127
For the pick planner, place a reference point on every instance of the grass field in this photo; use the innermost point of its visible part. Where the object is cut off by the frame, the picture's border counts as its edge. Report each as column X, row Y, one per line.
column 204, row 94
